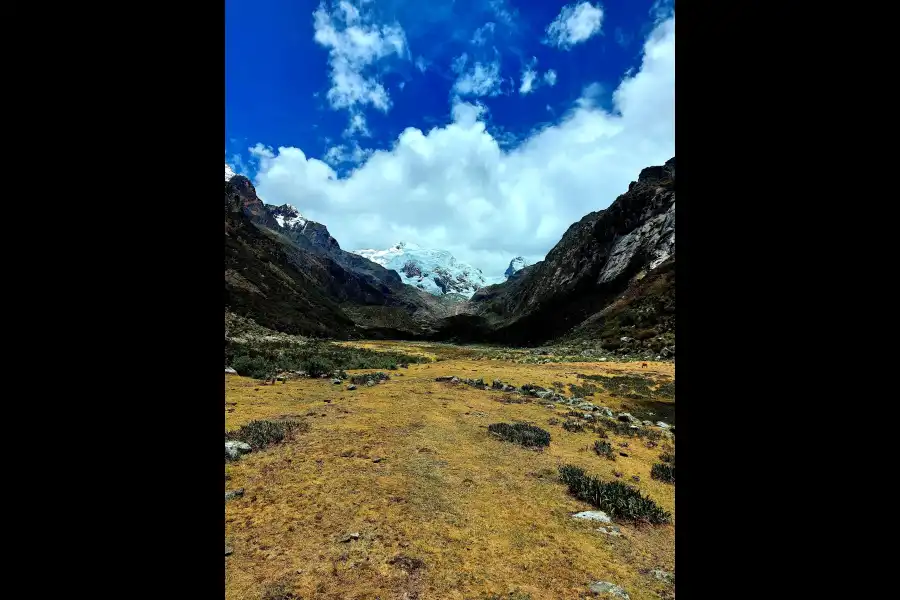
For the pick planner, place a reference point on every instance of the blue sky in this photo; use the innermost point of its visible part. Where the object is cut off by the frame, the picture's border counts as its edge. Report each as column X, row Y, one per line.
column 407, row 120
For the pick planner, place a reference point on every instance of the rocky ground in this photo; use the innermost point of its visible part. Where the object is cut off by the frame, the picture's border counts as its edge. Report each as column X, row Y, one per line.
column 397, row 490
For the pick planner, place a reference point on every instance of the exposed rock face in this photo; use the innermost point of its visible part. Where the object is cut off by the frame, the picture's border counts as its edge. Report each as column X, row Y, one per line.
column 604, row 266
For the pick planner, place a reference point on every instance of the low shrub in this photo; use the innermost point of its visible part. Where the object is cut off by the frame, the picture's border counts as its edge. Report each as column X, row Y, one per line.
column 260, row 434
column 617, row 499
column 620, row 428
column 582, row 391
column 553, row 421
column 668, row 457
column 573, row 426
column 364, row 377
column 256, row 367
column 604, row 449
column 663, row 472
column 521, row 433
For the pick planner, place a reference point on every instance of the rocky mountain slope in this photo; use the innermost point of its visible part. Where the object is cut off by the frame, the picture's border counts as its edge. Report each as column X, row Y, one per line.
column 515, row 265
column 435, row 271
column 287, row 273
column 611, row 278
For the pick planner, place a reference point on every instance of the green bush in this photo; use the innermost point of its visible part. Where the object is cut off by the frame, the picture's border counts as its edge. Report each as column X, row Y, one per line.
column 260, row 434
column 520, row 433
column 259, row 358
column 663, row 472
column 668, row 457
column 617, row 499
column 256, row 367
column 604, row 449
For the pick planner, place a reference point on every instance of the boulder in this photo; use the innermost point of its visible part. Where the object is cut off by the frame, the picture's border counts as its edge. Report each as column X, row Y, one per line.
column 662, row 424
column 593, row 515
column 234, row 494
column 336, row 381
column 230, row 371
column 234, row 449
column 611, row 590
column 351, row 387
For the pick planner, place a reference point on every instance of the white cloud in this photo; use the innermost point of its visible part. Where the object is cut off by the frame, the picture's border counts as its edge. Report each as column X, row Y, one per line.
column 550, row 77
column 481, row 80
column 421, row 64
column 575, row 24
column 528, row 77
column 338, row 155
column 357, row 125
column 455, row 187
column 481, row 34
column 354, row 43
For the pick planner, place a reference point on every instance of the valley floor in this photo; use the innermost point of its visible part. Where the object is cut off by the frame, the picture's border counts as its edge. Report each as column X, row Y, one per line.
column 448, row 511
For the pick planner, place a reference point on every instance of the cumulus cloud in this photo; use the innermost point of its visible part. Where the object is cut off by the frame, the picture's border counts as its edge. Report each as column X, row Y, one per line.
column 550, row 77
column 354, row 43
column 455, row 187
column 574, row 25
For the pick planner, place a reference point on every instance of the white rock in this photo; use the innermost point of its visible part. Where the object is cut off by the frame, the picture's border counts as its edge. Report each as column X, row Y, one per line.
column 662, row 424
column 593, row 515
column 230, row 371
column 604, row 587
column 234, row 449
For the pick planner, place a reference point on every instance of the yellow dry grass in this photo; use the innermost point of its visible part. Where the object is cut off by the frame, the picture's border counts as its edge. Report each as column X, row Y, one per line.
column 484, row 516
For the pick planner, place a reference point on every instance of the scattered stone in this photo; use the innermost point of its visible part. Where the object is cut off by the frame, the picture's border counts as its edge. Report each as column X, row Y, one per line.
column 230, row 371
column 234, row 449
column 509, row 388
column 228, row 551
column 635, row 479
column 497, row 384
column 603, row 359
column 586, row 406
column 617, row 473
column 234, row 494
column 612, row 530
column 662, row 424
column 444, row 378
column 623, row 454
column 593, row 515
column 543, row 395
column 351, row 387
column 648, row 423
column 370, row 383
column 377, row 460
column 454, row 380
column 610, row 589
column 349, row 536
column 662, row 575
column 551, row 405
column 336, row 381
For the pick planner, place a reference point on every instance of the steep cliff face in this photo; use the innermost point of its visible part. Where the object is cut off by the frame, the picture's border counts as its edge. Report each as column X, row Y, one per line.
column 599, row 258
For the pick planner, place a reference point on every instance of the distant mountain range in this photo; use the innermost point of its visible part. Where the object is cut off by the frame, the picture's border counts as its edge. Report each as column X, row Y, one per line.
column 610, row 279
column 435, row 271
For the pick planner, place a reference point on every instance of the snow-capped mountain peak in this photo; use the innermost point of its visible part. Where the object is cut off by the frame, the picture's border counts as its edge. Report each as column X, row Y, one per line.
column 228, row 172
column 288, row 216
column 515, row 265
column 435, row 271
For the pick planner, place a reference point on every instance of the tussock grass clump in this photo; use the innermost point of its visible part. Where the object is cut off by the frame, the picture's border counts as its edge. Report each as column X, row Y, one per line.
column 668, row 457
column 573, row 426
column 617, row 499
column 520, row 433
column 260, row 434
column 663, row 472
column 604, row 449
